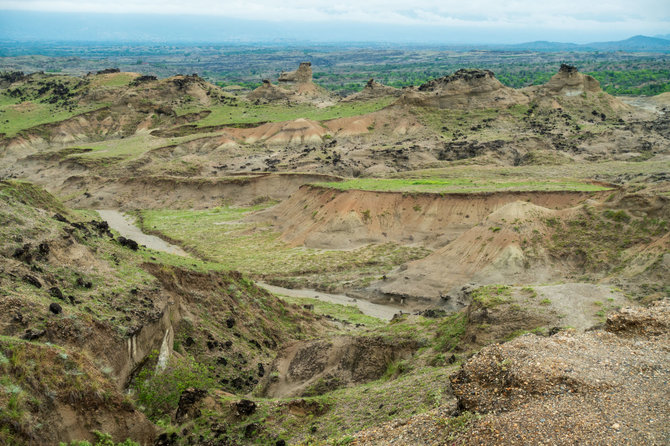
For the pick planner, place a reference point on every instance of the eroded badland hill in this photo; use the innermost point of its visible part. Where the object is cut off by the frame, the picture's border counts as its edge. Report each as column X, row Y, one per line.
column 458, row 262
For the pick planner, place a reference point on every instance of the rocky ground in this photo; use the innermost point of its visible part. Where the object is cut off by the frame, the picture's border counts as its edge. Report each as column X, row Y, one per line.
column 605, row 386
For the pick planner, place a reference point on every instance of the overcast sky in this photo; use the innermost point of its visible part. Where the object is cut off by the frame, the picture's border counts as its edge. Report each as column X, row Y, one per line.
column 577, row 20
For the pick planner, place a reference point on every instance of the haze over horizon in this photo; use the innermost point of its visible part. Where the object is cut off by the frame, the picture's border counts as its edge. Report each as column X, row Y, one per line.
column 427, row 21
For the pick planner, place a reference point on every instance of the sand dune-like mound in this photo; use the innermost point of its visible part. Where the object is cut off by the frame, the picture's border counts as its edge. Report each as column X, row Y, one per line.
column 569, row 86
column 327, row 218
column 491, row 252
column 298, row 131
column 373, row 90
column 269, row 92
column 466, row 88
column 388, row 121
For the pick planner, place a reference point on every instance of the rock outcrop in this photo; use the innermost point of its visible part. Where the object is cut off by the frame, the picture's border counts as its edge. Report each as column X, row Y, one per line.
column 300, row 76
column 466, row 88
column 569, row 86
column 269, row 92
column 293, row 86
column 570, row 82
column 373, row 90
column 307, row 368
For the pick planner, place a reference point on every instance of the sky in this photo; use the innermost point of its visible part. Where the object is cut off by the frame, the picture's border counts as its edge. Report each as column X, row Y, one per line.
column 477, row 21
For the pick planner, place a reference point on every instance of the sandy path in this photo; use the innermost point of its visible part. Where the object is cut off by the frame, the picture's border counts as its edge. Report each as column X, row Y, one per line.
column 125, row 226
column 384, row 312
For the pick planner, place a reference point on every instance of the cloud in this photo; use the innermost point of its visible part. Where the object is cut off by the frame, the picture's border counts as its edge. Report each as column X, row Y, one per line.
column 643, row 16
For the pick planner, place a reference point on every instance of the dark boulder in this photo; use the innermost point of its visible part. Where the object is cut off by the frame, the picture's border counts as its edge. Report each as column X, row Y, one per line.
column 23, row 253
column 565, row 68
column 43, row 249
column 188, row 399
column 245, row 407
column 230, row 322
column 32, row 280
column 81, row 283
column 55, row 308
column 251, row 430
column 56, row 292
column 433, row 313
column 31, row 334
column 108, row 71
column 60, row 218
column 128, row 243
column 142, row 79
column 166, row 439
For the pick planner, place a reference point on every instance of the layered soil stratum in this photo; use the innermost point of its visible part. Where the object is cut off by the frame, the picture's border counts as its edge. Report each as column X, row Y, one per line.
column 457, row 262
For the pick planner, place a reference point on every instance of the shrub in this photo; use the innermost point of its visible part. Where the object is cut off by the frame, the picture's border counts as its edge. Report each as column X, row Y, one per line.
column 158, row 393
column 101, row 440
column 620, row 216
column 450, row 332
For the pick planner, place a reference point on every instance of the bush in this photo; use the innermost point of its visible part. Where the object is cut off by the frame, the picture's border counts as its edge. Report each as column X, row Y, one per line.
column 101, row 440
column 620, row 216
column 158, row 393
column 450, row 331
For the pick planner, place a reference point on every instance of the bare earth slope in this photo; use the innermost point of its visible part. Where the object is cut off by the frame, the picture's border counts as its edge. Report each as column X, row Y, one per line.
column 597, row 388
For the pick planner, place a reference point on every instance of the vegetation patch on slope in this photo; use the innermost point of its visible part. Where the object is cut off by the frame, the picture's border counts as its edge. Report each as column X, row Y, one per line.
column 216, row 234
column 459, row 185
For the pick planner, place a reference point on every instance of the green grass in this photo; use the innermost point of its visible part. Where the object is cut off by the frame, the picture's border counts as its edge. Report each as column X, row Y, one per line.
column 249, row 114
column 112, row 80
column 491, row 296
column 35, row 375
column 17, row 117
column 607, row 241
column 459, row 185
column 339, row 413
column 258, row 250
column 450, row 331
column 541, row 174
column 132, row 146
column 347, row 313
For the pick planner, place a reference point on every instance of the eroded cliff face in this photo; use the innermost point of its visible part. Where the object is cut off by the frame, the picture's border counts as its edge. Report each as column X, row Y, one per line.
column 570, row 82
column 293, row 86
column 302, row 75
column 466, row 88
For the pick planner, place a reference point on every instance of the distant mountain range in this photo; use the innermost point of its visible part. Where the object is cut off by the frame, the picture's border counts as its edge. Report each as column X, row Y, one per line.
column 635, row 44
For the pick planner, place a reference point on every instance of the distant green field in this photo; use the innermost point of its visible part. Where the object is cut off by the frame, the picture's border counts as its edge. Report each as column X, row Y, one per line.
column 133, row 146
column 607, row 171
column 459, row 185
column 16, row 117
column 248, row 114
column 113, row 80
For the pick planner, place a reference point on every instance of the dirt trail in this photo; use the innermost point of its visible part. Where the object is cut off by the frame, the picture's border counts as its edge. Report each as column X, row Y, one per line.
column 384, row 312
column 125, row 226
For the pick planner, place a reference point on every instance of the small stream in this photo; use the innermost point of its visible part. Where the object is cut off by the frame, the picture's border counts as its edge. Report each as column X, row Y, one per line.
column 125, row 225
column 384, row 312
